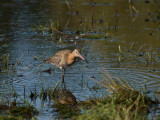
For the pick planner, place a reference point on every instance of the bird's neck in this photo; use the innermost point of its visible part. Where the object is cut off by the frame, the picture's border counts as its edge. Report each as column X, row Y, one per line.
column 71, row 58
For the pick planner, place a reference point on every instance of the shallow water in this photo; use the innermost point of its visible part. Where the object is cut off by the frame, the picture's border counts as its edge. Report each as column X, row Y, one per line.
column 124, row 26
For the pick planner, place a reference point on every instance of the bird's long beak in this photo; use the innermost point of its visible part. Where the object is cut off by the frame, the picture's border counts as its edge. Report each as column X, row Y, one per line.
column 82, row 57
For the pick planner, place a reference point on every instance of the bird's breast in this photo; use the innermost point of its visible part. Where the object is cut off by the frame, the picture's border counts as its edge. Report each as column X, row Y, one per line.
column 71, row 61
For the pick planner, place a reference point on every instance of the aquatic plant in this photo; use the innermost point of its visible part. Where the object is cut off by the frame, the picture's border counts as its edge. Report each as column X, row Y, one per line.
column 52, row 27
column 149, row 56
column 6, row 64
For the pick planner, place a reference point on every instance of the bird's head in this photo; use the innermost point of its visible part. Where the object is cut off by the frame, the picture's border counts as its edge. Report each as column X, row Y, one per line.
column 78, row 54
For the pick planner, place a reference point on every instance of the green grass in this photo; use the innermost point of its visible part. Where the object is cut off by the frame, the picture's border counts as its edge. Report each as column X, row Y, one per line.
column 112, row 109
column 120, row 106
column 124, row 103
column 21, row 110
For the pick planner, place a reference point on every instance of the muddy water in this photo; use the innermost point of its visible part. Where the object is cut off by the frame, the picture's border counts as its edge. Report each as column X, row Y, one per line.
column 132, row 27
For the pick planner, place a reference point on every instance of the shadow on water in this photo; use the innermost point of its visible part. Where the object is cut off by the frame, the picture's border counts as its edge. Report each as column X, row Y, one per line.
column 121, row 36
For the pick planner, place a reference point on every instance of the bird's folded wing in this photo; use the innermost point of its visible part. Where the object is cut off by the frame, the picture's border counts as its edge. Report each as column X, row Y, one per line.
column 55, row 60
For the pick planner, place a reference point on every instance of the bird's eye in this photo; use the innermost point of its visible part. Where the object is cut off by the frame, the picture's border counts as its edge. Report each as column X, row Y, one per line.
column 76, row 52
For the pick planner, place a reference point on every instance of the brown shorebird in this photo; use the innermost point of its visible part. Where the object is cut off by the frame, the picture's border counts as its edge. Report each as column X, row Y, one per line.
column 64, row 59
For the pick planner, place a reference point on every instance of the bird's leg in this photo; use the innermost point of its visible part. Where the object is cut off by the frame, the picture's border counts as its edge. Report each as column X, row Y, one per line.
column 63, row 72
column 62, row 75
column 53, row 70
column 62, row 78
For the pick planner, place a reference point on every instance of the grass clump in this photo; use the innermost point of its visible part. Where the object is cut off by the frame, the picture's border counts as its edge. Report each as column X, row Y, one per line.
column 124, row 103
column 51, row 27
column 23, row 111
column 10, row 118
column 66, row 111
column 111, row 109
column 17, row 111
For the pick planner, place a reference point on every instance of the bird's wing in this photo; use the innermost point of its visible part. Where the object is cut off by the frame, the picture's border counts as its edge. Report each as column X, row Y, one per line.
column 58, row 58
column 55, row 60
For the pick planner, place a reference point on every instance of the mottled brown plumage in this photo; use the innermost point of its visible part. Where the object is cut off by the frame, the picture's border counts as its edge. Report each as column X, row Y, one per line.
column 64, row 59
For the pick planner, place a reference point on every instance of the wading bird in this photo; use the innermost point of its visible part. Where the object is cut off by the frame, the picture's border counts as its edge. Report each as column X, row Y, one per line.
column 64, row 58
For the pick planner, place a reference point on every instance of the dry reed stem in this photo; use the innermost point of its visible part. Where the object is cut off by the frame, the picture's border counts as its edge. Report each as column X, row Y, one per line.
column 114, row 84
column 131, row 46
column 129, row 108
column 68, row 5
column 18, row 61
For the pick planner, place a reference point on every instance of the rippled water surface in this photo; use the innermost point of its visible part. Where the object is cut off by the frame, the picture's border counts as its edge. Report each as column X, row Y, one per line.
column 130, row 50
